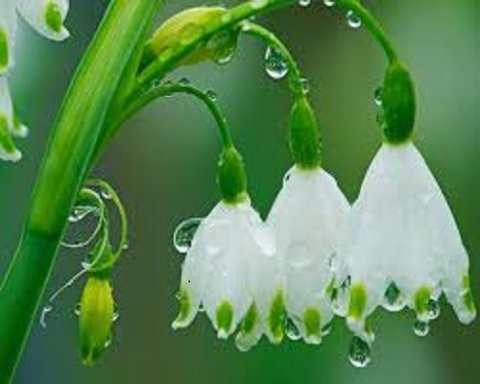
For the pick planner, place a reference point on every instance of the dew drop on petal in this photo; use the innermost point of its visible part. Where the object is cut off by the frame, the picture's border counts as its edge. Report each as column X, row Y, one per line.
column 359, row 353
column 433, row 309
column 43, row 317
column 184, row 233
column 353, row 20
column 421, row 328
column 393, row 300
column 275, row 64
column 292, row 331
column 329, row 3
column 304, row 3
column 378, row 96
column 326, row 329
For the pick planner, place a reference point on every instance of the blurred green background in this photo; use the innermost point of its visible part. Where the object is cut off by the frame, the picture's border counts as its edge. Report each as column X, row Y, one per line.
column 163, row 165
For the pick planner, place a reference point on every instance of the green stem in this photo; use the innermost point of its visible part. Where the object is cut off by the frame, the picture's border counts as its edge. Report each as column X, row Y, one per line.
column 370, row 22
column 296, row 79
column 63, row 171
column 143, row 100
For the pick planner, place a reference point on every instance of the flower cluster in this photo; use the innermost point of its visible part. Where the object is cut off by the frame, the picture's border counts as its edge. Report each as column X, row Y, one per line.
column 316, row 255
column 47, row 17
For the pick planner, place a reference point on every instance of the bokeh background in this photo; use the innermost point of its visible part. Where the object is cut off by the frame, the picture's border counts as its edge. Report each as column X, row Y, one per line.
column 163, row 165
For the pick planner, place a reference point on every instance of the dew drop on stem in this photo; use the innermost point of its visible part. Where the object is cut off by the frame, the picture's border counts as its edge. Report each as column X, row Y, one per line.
column 304, row 3
column 329, row 3
column 353, row 20
column 275, row 64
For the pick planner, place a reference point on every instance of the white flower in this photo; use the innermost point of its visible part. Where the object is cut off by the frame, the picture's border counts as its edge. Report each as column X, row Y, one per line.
column 46, row 16
column 308, row 217
column 216, row 269
column 402, row 246
column 8, row 125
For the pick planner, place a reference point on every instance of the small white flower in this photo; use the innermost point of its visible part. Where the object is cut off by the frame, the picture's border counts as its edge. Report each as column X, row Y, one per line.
column 308, row 217
column 402, row 246
column 8, row 125
column 215, row 273
column 46, row 16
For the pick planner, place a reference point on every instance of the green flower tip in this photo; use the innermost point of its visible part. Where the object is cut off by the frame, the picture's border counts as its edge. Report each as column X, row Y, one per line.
column 4, row 54
column 467, row 295
column 304, row 141
column 276, row 318
column 313, row 329
column 185, row 307
column 96, row 318
column 421, row 300
column 250, row 321
column 8, row 150
column 53, row 17
column 398, row 101
column 358, row 301
column 224, row 318
column 232, row 178
column 184, row 29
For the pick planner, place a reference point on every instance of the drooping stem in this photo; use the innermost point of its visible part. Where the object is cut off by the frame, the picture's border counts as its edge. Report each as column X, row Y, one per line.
column 63, row 171
column 296, row 80
column 171, row 89
column 371, row 23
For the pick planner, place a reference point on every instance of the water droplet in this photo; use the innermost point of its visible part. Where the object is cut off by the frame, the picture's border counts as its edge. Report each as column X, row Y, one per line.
column 433, row 309
column 353, row 20
column 393, row 300
column 184, row 81
column 421, row 328
column 225, row 56
column 77, row 309
column 184, row 233
column 292, row 331
column 327, row 328
column 275, row 64
column 116, row 315
column 125, row 247
column 43, row 317
column 80, row 212
column 212, row 95
column 108, row 342
column 106, row 194
column 305, row 84
column 329, row 3
column 359, row 353
column 378, row 96
column 304, row 3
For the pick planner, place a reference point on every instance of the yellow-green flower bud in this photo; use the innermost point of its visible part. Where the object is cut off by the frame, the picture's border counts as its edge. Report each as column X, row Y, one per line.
column 96, row 318
column 184, row 28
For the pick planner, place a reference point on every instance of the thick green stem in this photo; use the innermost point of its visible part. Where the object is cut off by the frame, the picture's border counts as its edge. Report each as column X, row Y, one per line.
column 63, row 171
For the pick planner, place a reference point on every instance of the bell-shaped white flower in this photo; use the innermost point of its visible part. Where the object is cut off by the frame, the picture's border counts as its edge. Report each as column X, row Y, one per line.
column 402, row 245
column 46, row 16
column 308, row 217
column 8, row 125
column 8, row 26
column 215, row 273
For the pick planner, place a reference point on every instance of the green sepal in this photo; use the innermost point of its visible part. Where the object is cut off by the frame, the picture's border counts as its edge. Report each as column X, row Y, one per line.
column 304, row 140
column 53, row 17
column 4, row 50
column 184, row 28
column 95, row 319
column 224, row 317
column 358, row 301
column 277, row 317
column 232, row 177
column 398, row 101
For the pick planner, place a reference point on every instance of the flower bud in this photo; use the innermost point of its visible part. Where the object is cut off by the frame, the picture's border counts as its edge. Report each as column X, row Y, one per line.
column 304, row 135
column 96, row 318
column 186, row 27
column 398, row 104
column 232, row 177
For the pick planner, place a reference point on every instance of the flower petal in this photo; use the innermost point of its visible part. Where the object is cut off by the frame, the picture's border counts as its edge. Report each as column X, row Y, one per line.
column 8, row 26
column 46, row 16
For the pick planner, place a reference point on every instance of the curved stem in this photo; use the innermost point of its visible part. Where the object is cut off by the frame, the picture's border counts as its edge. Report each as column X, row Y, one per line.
column 372, row 25
column 272, row 40
column 63, row 171
column 167, row 90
